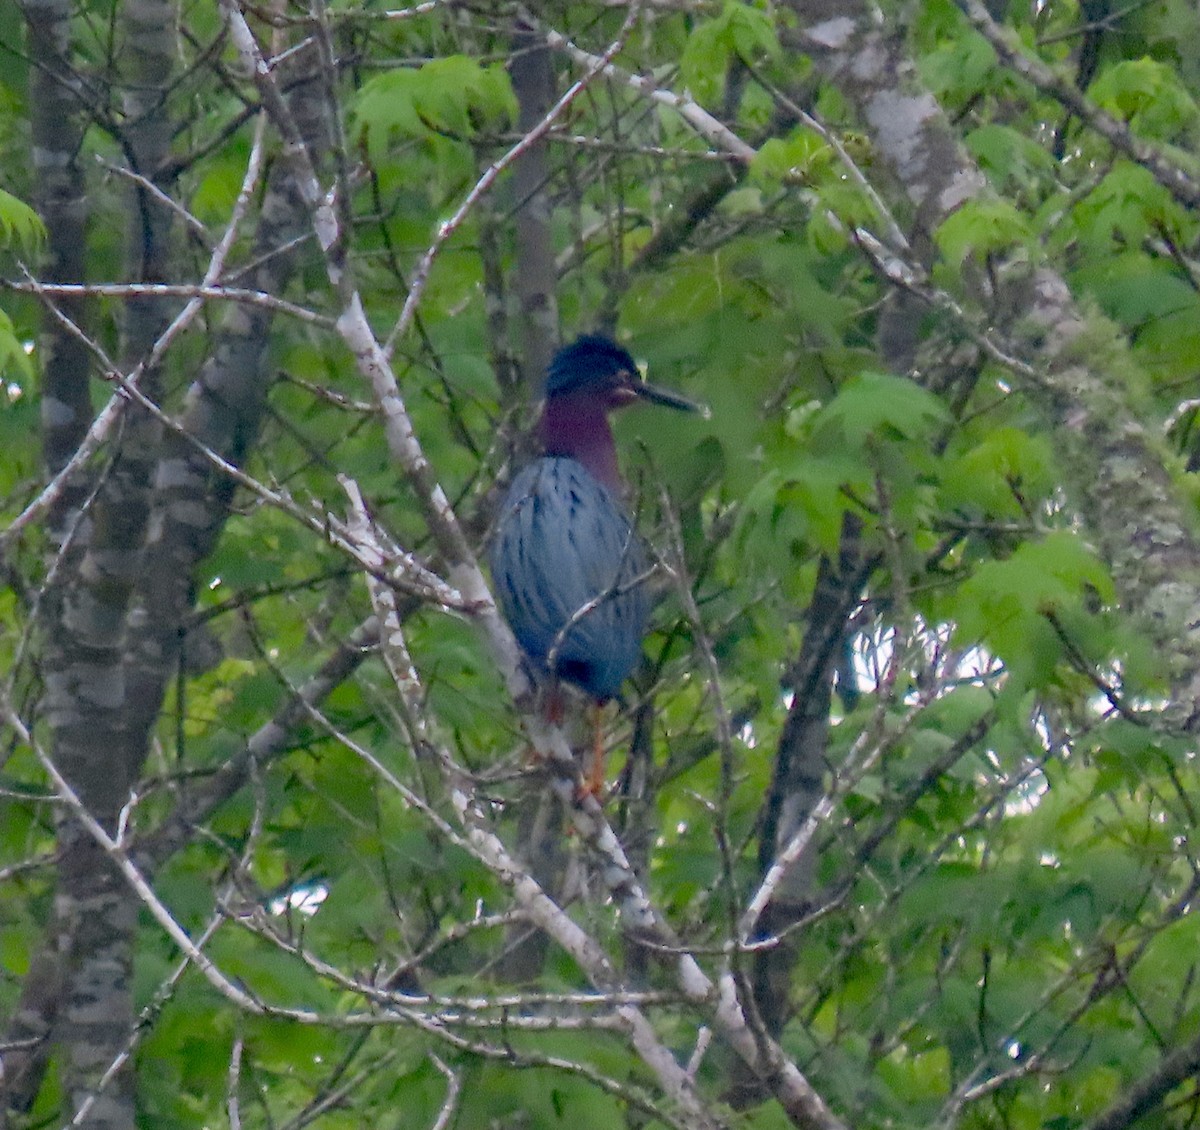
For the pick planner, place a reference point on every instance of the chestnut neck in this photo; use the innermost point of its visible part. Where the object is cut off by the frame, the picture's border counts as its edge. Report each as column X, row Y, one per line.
column 576, row 425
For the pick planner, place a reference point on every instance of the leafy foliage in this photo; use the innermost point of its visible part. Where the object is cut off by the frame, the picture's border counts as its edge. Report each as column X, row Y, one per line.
column 19, row 223
column 888, row 592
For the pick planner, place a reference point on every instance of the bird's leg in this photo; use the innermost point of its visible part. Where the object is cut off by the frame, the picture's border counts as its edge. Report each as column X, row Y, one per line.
column 594, row 785
column 554, row 706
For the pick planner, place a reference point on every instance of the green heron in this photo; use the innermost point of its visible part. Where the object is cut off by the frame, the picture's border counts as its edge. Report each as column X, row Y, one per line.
column 570, row 570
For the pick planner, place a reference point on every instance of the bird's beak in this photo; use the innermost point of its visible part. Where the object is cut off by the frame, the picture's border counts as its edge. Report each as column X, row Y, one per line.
column 637, row 384
column 667, row 399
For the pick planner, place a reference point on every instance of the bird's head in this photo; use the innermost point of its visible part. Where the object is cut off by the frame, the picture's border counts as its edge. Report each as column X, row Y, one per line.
column 595, row 366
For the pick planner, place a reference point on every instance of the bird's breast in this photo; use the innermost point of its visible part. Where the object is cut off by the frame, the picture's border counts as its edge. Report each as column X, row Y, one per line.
column 571, row 575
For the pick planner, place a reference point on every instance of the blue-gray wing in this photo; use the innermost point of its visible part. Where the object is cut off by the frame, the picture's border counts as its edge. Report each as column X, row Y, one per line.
column 565, row 548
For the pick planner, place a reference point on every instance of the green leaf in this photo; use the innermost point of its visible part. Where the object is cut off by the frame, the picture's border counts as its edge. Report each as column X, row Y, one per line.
column 1010, row 156
column 13, row 356
column 845, row 199
column 1148, row 94
column 959, row 68
column 818, row 491
column 1153, row 293
column 915, row 1078
column 981, row 227
column 949, row 892
column 21, row 223
column 1005, row 604
column 954, row 713
column 1006, row 469
column 802, row 156
column 878, row 406
column 453, row 95
column 738, row 32
column 1123, row 207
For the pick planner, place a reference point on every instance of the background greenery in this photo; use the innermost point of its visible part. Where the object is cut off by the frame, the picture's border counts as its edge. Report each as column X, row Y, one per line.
column 930, row 613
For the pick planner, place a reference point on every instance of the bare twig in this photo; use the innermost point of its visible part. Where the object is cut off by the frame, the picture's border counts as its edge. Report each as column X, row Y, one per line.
column 713, row 131
column 198, row 292
column 596, row 66
column 1177, row 181
column 108, row 416
column 453, row 1090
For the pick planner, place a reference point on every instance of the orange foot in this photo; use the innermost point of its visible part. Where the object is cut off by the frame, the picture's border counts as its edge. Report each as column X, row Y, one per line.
column 594, row 785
